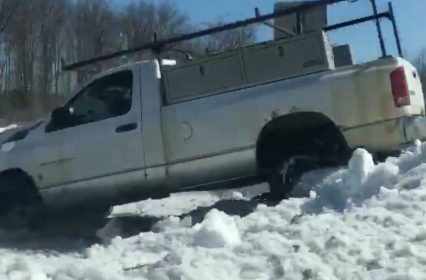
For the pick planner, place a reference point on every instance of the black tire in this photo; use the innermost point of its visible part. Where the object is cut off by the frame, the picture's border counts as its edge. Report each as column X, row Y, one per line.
column 82, row 214
column 283, row 180
column 82, row 222
column 19, row 200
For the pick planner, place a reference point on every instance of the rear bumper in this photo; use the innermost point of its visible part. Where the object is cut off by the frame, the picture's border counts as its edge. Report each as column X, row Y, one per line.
column 389, row 135
column 415, row 128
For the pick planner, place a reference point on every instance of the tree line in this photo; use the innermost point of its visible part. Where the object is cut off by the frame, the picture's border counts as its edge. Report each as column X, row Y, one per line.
column 38, row 36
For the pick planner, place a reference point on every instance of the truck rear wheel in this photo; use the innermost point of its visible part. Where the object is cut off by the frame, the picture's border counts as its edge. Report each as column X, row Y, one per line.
column 283, row 180
column 297, row 143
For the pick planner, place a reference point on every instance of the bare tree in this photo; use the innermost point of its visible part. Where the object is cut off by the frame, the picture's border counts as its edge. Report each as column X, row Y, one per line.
column 169, row 21
column 137, row 24
column 49, row 36
column 7, row 11
column 420, row 63
column 230, row 39
column 140, row 21
column 94, row 31
column 31, row 39
column 93, row 22
column 22, row 41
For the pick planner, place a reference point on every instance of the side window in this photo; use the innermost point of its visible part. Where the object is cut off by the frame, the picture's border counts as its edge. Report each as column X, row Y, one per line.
column 108, row 97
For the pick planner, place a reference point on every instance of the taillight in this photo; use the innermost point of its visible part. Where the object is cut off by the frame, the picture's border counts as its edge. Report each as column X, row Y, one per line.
column 400, row 91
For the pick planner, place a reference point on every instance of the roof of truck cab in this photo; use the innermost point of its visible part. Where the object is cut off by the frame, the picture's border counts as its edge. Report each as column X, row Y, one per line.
column 165, row 62
column 120, row 67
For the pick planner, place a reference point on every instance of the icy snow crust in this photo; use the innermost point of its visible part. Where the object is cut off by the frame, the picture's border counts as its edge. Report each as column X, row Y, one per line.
column 365, row 221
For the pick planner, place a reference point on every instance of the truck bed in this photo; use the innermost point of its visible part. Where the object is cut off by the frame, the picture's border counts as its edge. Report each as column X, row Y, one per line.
column 352, row 97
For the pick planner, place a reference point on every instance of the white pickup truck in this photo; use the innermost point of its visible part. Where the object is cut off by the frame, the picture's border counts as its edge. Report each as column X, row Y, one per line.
column 227, row 120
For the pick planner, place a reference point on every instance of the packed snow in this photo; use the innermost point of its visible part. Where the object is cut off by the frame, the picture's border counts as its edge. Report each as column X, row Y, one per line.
column 363, row 221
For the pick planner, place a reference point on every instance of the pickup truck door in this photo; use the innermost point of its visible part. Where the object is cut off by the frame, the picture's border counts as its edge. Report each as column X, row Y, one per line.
column 102, row 135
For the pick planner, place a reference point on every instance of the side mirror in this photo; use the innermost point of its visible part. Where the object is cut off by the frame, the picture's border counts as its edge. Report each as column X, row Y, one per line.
column 60, row 115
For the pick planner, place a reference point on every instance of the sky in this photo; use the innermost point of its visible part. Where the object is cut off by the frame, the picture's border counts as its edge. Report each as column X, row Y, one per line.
column 410, row 14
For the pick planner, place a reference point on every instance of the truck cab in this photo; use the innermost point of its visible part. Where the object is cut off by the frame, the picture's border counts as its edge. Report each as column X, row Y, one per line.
column 96, row 137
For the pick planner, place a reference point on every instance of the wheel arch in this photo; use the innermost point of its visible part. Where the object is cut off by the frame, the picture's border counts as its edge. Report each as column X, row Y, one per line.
column 295, row 131
column 21, row 173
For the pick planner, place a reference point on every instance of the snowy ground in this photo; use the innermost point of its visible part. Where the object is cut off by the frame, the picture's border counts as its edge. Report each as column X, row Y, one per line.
column 365, row 221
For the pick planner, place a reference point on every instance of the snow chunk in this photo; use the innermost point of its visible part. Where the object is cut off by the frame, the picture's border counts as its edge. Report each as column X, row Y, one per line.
column 352, row 186
column 360, row 165
column 217, row 230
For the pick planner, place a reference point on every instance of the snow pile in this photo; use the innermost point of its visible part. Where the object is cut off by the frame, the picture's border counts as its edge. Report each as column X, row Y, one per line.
column 365, row 221
column 352, row 186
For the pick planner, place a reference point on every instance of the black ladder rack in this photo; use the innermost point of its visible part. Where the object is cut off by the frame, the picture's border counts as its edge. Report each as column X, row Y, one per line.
column 158, row 46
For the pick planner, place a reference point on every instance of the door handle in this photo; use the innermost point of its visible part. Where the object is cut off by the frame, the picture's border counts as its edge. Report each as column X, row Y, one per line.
column 126, row 127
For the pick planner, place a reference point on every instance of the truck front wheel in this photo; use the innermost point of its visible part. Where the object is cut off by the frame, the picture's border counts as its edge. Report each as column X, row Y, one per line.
column 19, row 199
